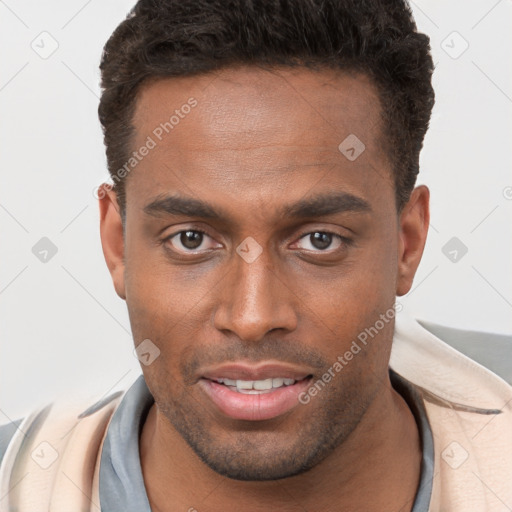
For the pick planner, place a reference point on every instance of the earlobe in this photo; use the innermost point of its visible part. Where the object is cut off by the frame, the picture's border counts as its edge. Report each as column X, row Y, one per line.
column 413, row 228
column 112, row 240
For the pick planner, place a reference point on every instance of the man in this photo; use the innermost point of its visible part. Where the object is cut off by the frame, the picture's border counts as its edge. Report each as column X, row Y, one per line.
column 262, row 221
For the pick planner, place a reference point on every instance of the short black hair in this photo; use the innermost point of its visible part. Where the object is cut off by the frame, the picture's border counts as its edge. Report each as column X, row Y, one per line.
column 173, row 38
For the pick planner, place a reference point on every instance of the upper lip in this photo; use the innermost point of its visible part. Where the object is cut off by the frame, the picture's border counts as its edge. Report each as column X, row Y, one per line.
column 242, row 371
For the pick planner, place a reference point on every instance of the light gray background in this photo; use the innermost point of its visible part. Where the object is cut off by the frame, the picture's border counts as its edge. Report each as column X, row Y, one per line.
column 64, row 330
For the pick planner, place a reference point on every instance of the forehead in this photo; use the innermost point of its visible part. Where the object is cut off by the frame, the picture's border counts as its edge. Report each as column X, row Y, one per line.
column 260, row 101
column 254, row 133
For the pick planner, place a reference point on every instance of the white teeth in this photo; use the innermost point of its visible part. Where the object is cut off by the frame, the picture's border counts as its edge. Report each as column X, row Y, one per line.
column 244, row 384
column 263, row 384
column 277, row 383
column 255, row 386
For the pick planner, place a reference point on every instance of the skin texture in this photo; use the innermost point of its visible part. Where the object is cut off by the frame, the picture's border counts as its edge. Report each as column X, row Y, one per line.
column 256, row 141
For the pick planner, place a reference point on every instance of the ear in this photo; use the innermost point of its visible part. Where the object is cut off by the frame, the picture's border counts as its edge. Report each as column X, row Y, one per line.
column 111, row 232
column 414, row 222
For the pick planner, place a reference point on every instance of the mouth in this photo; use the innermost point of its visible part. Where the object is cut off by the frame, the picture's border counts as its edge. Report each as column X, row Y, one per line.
column 254, row 394
column 256, row 387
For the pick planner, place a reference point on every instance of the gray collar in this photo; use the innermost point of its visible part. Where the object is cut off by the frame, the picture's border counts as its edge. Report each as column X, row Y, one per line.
column 122, row 485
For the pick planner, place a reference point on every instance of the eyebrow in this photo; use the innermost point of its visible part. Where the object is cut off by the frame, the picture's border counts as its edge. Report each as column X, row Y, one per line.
column 326, row 204
column 316, row 206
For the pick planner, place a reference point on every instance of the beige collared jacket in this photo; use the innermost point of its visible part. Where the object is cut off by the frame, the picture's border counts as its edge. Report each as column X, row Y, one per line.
column 469, row 409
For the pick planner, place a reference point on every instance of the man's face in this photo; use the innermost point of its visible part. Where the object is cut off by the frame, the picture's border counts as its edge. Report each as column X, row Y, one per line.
column 279, row 294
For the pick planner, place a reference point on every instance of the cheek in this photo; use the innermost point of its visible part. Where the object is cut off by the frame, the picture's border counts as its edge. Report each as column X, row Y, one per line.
column 155, row 289
column 154, row 305
column 354, row 309
column 361, row 325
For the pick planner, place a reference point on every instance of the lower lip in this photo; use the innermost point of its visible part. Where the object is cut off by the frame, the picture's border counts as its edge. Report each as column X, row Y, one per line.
column 254, row 407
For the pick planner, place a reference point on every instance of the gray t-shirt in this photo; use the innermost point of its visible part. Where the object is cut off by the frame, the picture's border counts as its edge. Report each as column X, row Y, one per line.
column 121, row 482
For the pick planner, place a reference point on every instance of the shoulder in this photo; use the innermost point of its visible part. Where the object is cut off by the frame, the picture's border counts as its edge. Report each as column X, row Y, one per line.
column 468, row 404
column 433, row 364
column 54, row 420
column 7, row 432
column 491, row 350
column 61, row 438
column 60, row 419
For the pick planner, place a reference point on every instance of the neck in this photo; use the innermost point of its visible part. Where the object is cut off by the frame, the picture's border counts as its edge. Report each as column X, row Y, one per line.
column 376, row 468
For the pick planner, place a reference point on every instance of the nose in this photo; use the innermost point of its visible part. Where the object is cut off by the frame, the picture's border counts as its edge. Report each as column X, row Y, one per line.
column 255, row 299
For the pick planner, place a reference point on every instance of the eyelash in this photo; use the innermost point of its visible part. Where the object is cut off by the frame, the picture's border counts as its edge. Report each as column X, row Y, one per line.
column 344, row 241
column 194, row 230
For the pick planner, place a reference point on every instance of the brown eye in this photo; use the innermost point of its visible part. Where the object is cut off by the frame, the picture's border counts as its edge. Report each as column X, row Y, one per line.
column 320, row 241
column 191, row 239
